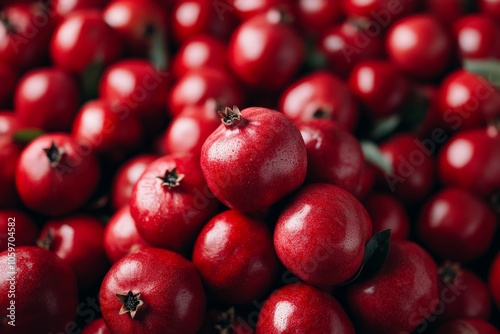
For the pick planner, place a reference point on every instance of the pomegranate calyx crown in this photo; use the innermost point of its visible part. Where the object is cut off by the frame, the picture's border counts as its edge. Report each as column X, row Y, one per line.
column 230, row 116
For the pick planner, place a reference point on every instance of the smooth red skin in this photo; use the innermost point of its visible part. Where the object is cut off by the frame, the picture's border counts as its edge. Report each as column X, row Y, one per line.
column 476, row 36
column 316, row 17
column 196, row 17
column 56, row 191
column 22, row 49
column 457, row 225
column 380, row 87
column 400, row 296
column 365, row 9
column 494, row 280
column 466, row 101
column 25, row 230
column 9, row 155
column 491, row 8
column 172, row 218
column 409, row 184
column 300, row 308
column 428, row 56
column 131, row 19
column 265, row 53
column 334, row 155
column 235, row 256
column 367, row 182
column 466, row 297
column 47, row 99
column 320, row 91
column 203, row 51
column 345, row 45
column 170, row 287
column 246, row 9
column 135, row 86
column 188, row 131
column 43, row 282
column 387, row 212
column 126, row 177
column 96, row 327
column 255, row 163
column 322, row 222
column 106, row 131
column 83, row 39
column 446, row 11
column 121, row 236
column 198, row 86
column 62, row 8
column 467, row 326
column 471, row 160
column 9, row 81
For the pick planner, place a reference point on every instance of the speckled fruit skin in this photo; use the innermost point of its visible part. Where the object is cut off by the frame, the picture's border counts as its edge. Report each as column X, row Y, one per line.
column 334, row 155
column 456, row 225
column 172, row 218
column 170, row 288
column 57, row 189
column 9, row 155
column 256, row 162
column 467, row 326
column 387, row 212
column 45, row 292
column 96, row 327
column 494, row 280
column 321, row 234
column 392, row 301
column 235, row 256
column 300, row 308
column 26, row 231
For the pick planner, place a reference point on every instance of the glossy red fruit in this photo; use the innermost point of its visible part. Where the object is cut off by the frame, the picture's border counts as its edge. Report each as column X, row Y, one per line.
column 462, row 294
column 198, row 86
column 126, row 177
column 380, row 87
column 47, row 99
column 135, row 86
column 9, row 81
column 16, row 228
column 188, row 131
column 78, row 241
column 446, row 11
column 254, row 159
column 320, row 95
column 54, row 176
column 471, row 160
column 83, row 39
column 171, row 202
column 494, row 280
column 476, row 35
column 121, row 236
column 466, row 100
column 412, row 166
column 316, row 16
column 157, row 290
column 491, row 8
column 381, row 12
column 9, row 155
column 266, row 52
column 321, row 234
column 333, row 154
column 96, row 327
column 140, row 24
column 201, row 51
column 466, row 326
column 195, row 17
column 247, row 9
column 301, row 308
column 400, row 296
column 45, row 293
column 387, row 212
column 25, row 30
column 367, row 181
column 345, row 45
column 106, row 131
column 235, row 256
column 456, row 225
column 419, row 46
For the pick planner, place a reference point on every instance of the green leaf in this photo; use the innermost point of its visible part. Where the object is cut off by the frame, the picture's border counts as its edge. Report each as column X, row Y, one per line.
column 373, row 155
column 158, row 51
column 385, row 127
column 488, row 69
column 90, row 80
column 25, row 136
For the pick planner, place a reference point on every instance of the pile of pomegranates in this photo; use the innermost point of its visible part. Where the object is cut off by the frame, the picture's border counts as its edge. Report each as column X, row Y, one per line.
column 250, row 167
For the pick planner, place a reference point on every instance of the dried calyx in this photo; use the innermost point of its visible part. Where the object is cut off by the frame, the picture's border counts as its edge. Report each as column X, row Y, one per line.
column 54, row 154
column 224, row 322
column 171, row 179
column 130, row 303
column 449, row 272
column 230, row 116
column 46, row 242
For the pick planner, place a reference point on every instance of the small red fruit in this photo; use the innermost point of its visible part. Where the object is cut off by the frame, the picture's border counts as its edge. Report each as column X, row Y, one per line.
column 254, row 159
column 476, row 36
column 315, row 16
column 491, row 8
column 384, row 12
column 467, row 326
column 387, row 212
column 96, row 327
column 17, row 227
column 152, row 291
column 446, row 11
column 247, row 9
column 9, row 155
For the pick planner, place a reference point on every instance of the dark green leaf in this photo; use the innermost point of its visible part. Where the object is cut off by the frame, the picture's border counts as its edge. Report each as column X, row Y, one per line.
column 374, row 156
column 414, row 114
column 90, row 80
column 488, row 69
column 158, row 52
column 25, row 136
column 385, row 127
